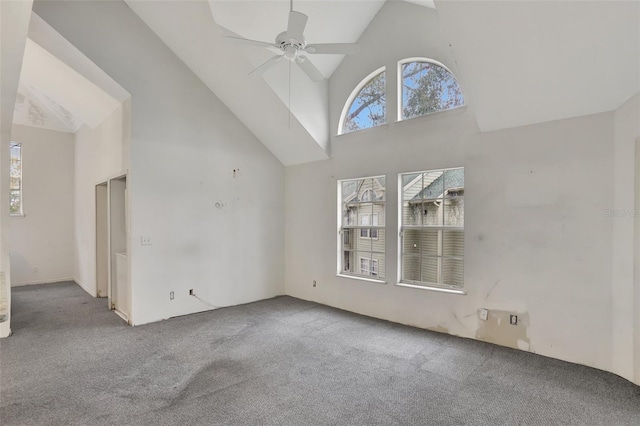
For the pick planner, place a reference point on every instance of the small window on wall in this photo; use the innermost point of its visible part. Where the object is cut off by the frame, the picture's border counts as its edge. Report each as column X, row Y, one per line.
column 367, row 105
column 361, row 243
column 432, row 228
column 15, row 173
column 427, row 87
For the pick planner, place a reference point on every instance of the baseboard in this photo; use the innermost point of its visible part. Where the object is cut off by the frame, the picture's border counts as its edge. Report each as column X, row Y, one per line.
column 85, row 288
column 52, row 281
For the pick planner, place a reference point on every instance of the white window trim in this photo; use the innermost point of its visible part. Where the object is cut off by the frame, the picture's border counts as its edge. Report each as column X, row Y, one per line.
column 423, row 285
column 21, row 213
column 399, row 118
column 339, row 233
column 352, row 97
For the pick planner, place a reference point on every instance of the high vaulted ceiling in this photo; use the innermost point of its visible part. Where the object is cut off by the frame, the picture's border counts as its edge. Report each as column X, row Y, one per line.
column 520, row 62
column 60, row 88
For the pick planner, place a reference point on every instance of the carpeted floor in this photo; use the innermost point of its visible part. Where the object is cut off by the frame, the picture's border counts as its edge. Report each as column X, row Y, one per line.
column 281, row 361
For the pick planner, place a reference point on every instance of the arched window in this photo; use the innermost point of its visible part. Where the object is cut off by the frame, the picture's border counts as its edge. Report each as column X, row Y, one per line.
column 367, row 105
column 426, row 86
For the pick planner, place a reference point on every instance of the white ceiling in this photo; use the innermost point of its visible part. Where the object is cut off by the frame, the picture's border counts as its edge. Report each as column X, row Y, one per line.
column 330, row 21
column 35, row 109
column 529, row 62
column 520, row 62
column 55, row 96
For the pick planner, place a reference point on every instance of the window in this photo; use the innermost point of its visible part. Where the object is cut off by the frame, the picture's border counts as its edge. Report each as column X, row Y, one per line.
column 367, row 105
column 361, row 244
column 15, row 172
column 367, row 220
column 427, row 87
column 368, row 267
column 432, row 228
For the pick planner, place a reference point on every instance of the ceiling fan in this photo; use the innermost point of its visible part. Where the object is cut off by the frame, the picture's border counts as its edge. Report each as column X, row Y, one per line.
column 291, row 44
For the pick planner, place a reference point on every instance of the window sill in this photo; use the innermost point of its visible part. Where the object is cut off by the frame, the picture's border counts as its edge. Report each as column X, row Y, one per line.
column 17, row 215
column 432, row 288
column 355, row 277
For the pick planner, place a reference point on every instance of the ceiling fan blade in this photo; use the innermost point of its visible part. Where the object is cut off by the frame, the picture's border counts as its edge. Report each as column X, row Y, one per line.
column 309, row 69
column 333, row 48
column 295, row 28
column 249, row 42
column 266, row 65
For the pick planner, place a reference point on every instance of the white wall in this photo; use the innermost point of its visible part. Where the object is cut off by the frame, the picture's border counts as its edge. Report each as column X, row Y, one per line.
column 626, row 287
column 41, row 241
column 537, row 240
column 99, row 155
column 14, row 24
column 221, row 235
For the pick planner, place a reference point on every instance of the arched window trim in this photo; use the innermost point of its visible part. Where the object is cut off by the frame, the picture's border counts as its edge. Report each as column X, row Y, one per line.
column 354, row 94
column 399, row 87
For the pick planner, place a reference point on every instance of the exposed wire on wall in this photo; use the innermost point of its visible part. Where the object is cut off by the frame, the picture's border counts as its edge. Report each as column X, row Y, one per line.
column 204, row 301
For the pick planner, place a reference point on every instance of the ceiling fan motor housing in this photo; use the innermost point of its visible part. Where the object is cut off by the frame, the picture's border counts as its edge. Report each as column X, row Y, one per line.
column 283, row 40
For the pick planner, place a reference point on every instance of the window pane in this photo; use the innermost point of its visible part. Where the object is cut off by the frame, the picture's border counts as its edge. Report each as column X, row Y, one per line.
column 425, row 245
column 433, row 184
column 454, row 180
column 14, row 203
column 411, row 268
column 377, row 240
column 364, row 214
column 411, row 244
column 15, row 183
column 453, row 243
column 369, row 108
column 452, row 272
column 411, row 213
column 432, row 213
column 427, row 88
column 378, row 214
column 347, row 261
column 429, row 269
column 362, row 208
column 378, row 265
column 379, row 185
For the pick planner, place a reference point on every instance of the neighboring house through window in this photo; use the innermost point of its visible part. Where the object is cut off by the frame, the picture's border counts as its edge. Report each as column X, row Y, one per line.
column 362, row 227
column 15, row 173
column 432, row 228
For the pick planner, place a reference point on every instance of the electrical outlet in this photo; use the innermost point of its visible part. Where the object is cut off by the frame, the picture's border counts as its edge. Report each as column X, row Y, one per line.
column 484, row 314
column 314, row 283
column 170, row 295
column 513, row 319
column 191, row 293
column 145, row 240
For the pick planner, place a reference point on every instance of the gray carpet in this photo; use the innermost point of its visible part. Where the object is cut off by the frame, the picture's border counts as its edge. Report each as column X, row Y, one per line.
column 281, row 361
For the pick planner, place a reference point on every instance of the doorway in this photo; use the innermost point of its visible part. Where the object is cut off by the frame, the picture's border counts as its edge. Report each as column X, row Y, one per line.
column 102, row 240
column 112, row 260
column 119, row 264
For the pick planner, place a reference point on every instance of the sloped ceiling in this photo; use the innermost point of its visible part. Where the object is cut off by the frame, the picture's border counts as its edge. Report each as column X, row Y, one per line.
column 525, row 62
column 14, row 25
column 35, row 109
column 520, row 62
column 60, row 88
column 329, row 22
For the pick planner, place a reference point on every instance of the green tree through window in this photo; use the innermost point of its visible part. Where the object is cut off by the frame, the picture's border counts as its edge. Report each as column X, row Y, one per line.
column 427, row 88
column 369, row 108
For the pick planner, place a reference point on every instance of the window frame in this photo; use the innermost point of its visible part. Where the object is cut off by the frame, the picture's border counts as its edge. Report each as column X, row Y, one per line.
column 341, row 271
column 354, row 94
column 12, row 144
column 400, row 82
column 427, row 285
